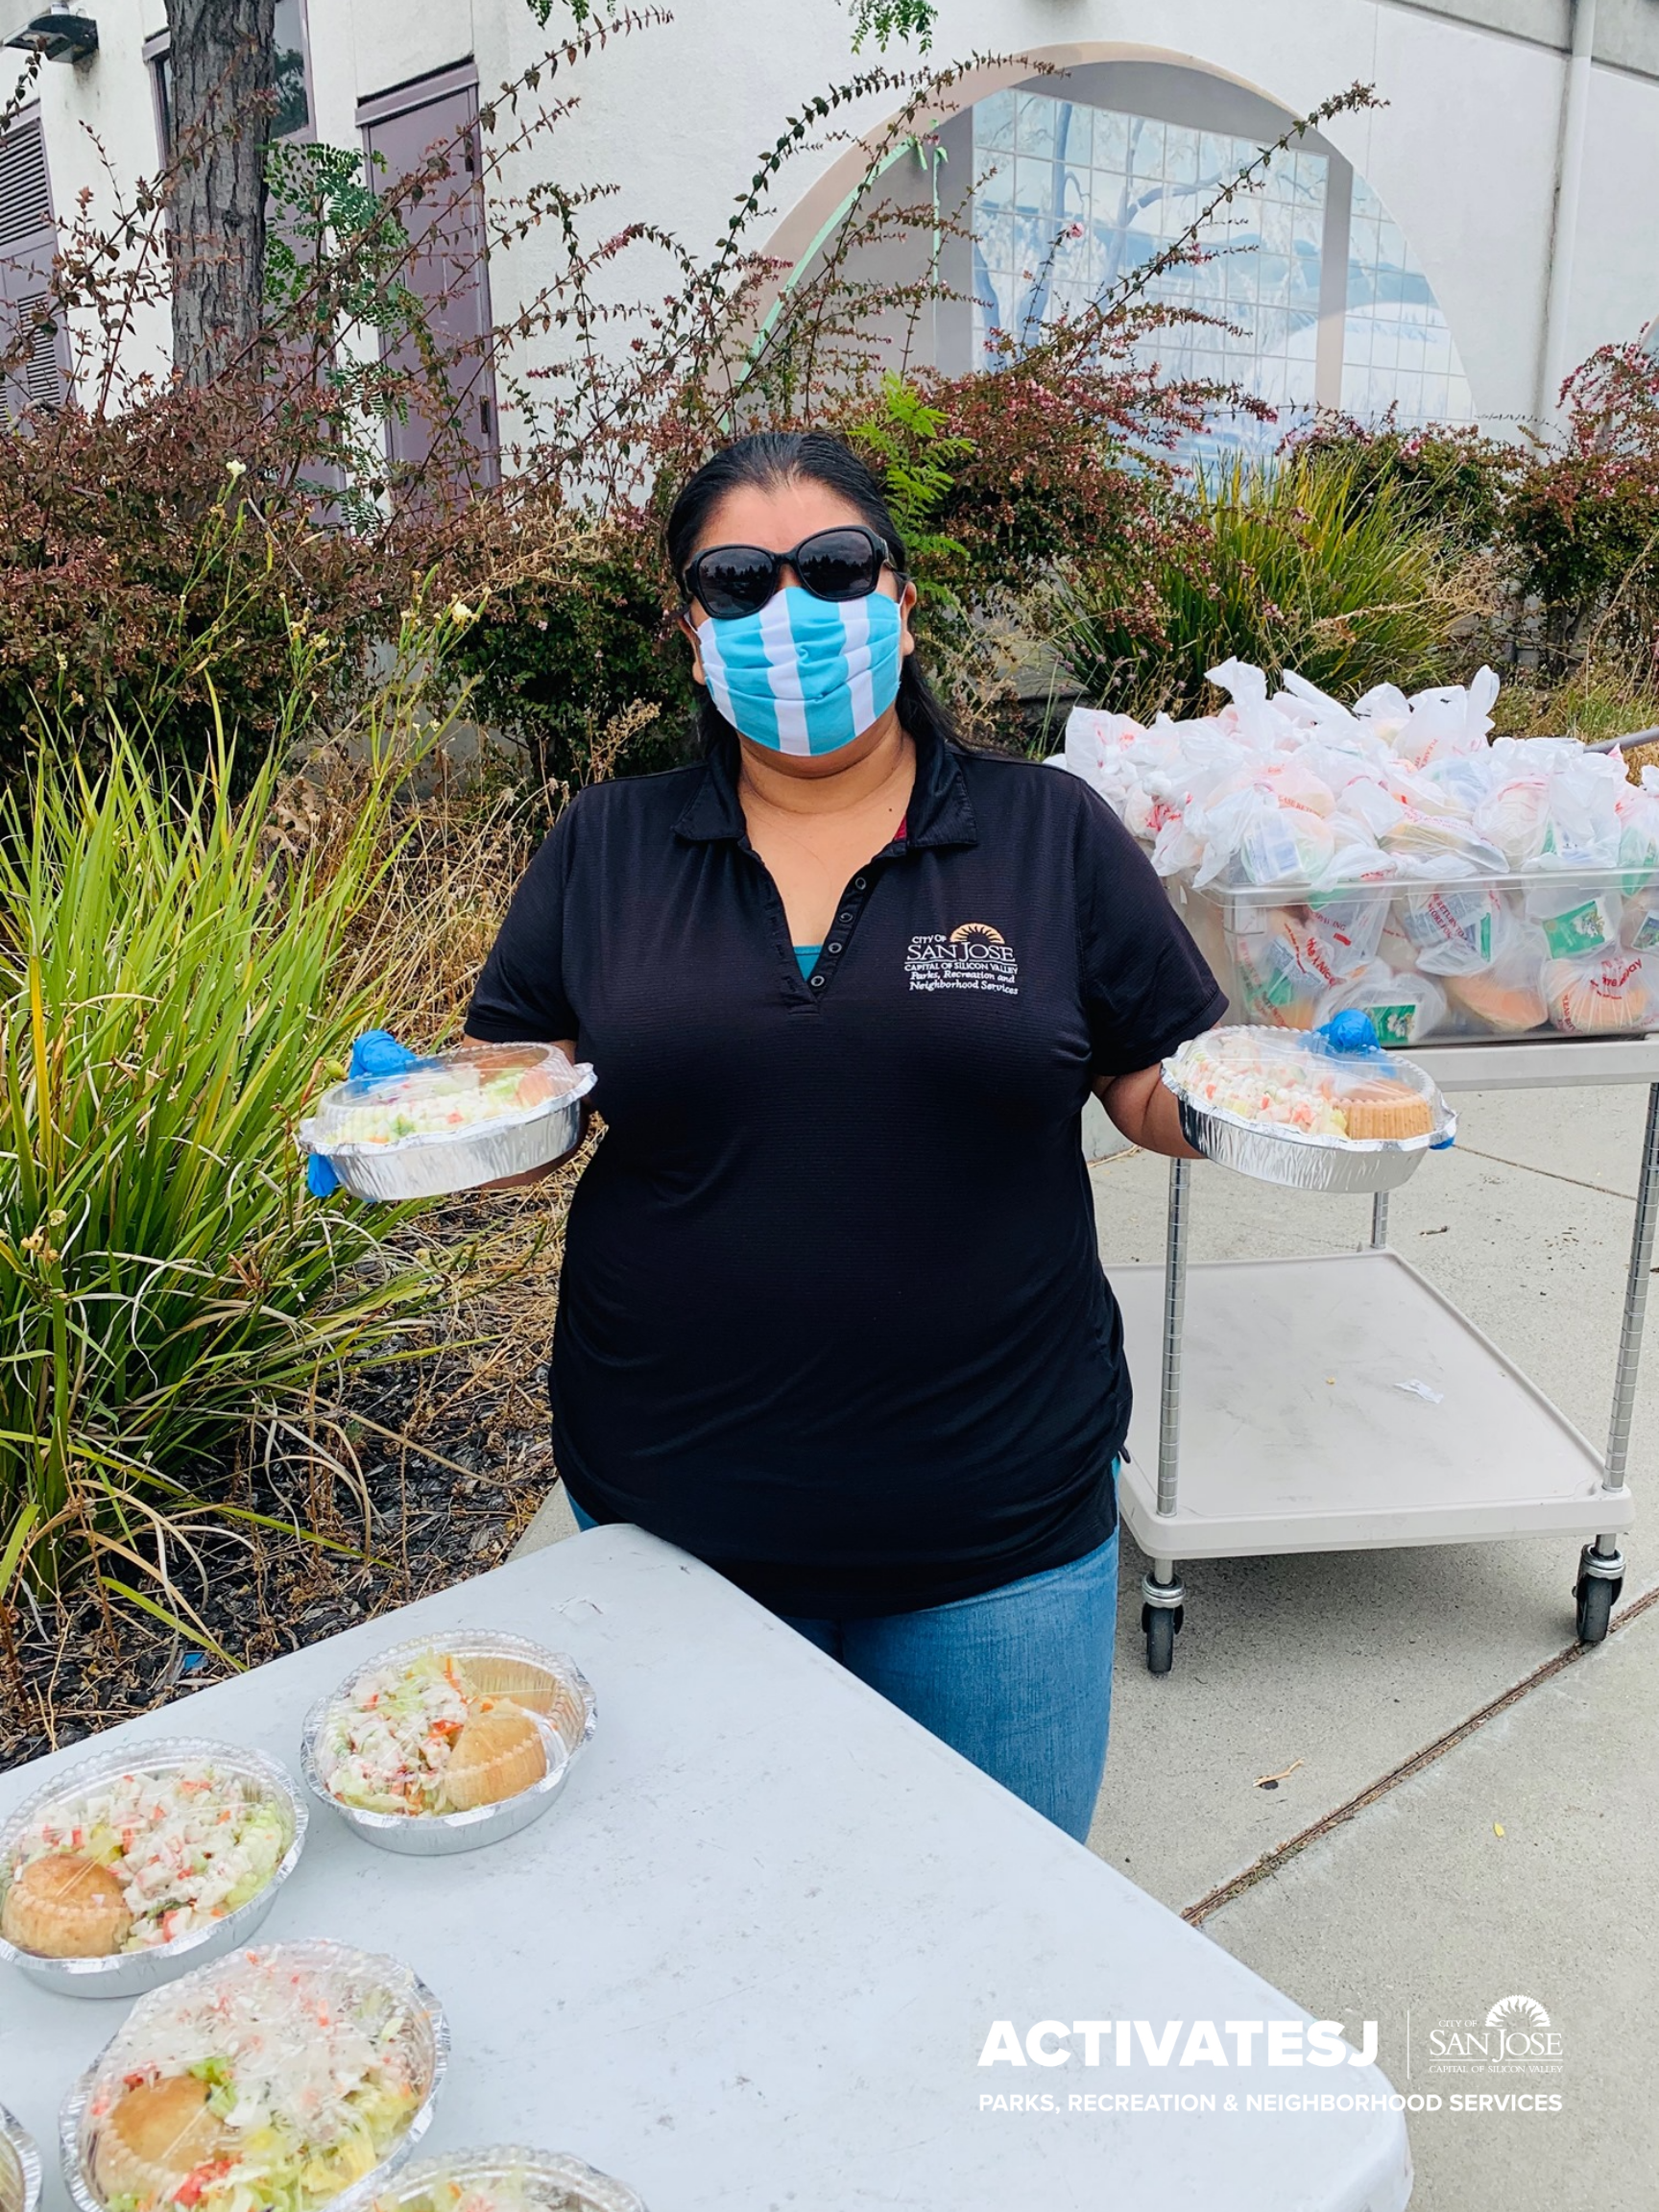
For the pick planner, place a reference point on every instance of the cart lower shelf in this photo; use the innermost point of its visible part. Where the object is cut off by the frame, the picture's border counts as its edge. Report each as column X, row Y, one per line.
column 1295, row 1435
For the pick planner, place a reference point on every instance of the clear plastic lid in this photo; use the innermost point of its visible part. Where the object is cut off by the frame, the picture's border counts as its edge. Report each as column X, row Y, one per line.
column 283, row 2077
column 1335, row 1086
column 397, row 1737
column 125, row 1856
column 475, row 1088
column 19, row 2166
column 509, row 2180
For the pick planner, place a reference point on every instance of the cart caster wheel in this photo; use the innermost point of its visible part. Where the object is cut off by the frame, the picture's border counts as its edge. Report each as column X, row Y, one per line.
column 1161, row 1623
column 1595, row 1608
column 1601, row 1578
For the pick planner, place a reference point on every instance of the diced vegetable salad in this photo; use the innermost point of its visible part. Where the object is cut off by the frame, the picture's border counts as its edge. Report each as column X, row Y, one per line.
column 186, row 1846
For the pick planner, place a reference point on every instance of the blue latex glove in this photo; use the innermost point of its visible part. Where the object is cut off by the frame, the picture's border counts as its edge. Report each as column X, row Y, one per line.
column 377, row 1052
column 1351, row 1031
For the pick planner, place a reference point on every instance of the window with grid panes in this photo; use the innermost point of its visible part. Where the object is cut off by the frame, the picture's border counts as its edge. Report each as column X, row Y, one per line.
column 1071, row 197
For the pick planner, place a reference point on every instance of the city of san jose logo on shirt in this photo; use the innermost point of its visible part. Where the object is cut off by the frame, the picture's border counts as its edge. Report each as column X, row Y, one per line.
column 973, row 957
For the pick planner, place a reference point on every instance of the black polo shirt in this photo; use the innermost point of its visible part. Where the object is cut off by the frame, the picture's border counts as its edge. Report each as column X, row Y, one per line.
column 831, row 1313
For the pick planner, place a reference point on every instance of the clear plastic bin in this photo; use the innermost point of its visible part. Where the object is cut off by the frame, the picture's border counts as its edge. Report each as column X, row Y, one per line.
column 1465, row 958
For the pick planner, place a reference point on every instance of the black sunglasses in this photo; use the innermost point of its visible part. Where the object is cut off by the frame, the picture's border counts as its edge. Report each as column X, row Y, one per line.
column 841, row 563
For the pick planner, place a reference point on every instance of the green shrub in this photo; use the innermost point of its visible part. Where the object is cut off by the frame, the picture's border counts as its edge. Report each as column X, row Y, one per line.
column 172, row 987
column 571, row 638
column 1304, row 564
column 1455, row 482
column 1582, row 520
column 152, row 563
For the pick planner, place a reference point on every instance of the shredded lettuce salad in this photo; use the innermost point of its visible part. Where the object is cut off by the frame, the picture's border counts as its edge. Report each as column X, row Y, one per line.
column 508, row 2191
column 186, row 1846
column 435, row 1103
column 315, row 2073
column 384, row 1749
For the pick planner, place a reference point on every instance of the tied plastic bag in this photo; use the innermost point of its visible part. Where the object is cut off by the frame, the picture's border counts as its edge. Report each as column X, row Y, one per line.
column 1604, row 993
column 1515, row 817
column 1574, row 920
column 1507, row 996
column 1638, row 924
column 1344, row 930
column 1454, row 718
column 1094, row 743
column 1280, row 988
column 1403, row 1008
column 1439, row 844
column 1452, row 926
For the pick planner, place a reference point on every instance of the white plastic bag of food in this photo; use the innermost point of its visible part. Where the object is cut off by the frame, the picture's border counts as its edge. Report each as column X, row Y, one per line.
column 1515, row 817
column 1454, row 927
column 1403, row 1008
column 1096, row 739
column 1278, row 986
column 1605, row 991
column 1638, row 924
column 1507, row 996
column 1345, row 928
column 1453, row 719
column 1574, row 918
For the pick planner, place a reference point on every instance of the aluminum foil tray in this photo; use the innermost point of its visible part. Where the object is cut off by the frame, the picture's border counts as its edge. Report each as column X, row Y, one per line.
column 19, row 2166
column 432, row 1166
column 132, row 1973
column 508, row 2179
column 427, row 2027
column 1299, row 1162
column 566, row 1726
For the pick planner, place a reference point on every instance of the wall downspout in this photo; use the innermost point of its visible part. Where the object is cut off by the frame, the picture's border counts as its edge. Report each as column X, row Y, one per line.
column 1553, row 363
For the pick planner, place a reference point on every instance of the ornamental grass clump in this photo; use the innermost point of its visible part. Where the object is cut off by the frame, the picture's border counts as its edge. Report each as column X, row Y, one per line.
column 173, row 985
column 1300, row 564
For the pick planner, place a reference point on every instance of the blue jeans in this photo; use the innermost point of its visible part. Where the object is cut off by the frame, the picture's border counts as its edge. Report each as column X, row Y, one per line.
column 1018, row 1681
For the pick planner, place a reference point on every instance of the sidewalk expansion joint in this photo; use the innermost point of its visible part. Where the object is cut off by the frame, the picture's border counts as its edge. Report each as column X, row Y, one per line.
column 1525, row 1167
column 1281, row 1855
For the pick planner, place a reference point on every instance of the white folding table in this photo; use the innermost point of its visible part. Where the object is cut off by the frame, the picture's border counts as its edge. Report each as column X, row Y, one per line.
column 752, row 1957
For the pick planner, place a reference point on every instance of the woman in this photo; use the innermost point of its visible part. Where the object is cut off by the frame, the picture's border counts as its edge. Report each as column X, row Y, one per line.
column 832, row 1314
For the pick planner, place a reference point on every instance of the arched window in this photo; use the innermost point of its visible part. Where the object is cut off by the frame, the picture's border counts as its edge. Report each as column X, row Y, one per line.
column 1316, row 296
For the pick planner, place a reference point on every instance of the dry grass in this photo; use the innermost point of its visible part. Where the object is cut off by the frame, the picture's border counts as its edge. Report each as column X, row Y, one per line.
column 1602, row 699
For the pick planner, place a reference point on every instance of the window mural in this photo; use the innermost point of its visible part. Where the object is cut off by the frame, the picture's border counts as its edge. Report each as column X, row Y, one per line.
column 1068, row 196
column 1397, row 351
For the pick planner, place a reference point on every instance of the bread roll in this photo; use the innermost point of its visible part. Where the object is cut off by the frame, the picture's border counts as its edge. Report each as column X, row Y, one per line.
column 1386, row 1110
column 157, row 2133
column 498, row 1753
column 65, row 1907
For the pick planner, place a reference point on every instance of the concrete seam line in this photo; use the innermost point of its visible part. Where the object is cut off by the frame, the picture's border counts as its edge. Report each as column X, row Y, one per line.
column 1525, row 1167
column 1282, row 1854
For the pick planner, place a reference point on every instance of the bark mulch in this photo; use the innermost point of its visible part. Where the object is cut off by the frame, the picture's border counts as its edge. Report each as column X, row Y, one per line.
column 427, row 1474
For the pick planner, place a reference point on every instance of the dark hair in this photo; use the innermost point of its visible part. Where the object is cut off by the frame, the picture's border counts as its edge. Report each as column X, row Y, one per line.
column 772, row 457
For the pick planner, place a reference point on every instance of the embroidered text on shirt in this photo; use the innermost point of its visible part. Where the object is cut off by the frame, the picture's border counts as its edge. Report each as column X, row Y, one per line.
column 975, row 957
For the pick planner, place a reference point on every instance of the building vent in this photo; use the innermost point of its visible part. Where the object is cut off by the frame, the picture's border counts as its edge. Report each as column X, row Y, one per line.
column 25, row 196
column 33, row 340
column 43, row 371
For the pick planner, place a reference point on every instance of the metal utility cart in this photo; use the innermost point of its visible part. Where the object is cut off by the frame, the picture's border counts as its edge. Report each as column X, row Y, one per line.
column 1293, row 1433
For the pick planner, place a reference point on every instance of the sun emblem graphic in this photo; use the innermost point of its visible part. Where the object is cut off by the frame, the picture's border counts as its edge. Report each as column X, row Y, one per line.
column 980, row 930
column 1518, row 2014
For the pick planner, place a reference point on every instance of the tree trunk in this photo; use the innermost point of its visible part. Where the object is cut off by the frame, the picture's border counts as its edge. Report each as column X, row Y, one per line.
column 223, row 86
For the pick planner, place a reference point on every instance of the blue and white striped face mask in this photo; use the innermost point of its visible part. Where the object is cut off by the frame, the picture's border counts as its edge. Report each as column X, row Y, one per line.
column 804, row 675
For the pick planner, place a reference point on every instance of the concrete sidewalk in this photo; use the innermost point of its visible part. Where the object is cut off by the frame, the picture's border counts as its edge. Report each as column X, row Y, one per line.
column 1518, row 1859
column 1522, row 1859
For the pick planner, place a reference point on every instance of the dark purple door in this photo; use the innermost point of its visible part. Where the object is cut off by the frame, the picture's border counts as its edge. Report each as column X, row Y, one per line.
column 432, row 125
